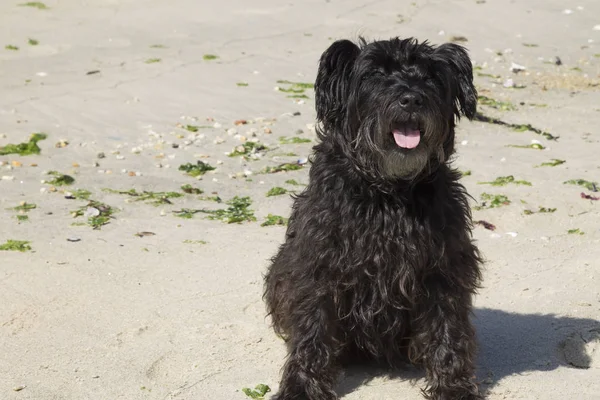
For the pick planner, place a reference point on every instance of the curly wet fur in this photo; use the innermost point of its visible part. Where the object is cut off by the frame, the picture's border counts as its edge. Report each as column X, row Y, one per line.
column 378, row 261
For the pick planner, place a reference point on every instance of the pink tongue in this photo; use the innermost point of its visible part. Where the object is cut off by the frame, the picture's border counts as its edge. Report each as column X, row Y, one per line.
column 407, row 138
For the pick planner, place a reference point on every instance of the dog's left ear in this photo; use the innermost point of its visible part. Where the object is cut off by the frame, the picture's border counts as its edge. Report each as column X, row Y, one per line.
column 331, row 86
column 463, row 90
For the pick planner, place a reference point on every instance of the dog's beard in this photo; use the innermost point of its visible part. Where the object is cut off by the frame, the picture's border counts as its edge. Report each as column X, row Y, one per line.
column 414, row 155
column 397, row 146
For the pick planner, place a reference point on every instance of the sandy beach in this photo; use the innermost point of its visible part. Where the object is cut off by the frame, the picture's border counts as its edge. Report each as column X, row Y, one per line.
column 120, row 276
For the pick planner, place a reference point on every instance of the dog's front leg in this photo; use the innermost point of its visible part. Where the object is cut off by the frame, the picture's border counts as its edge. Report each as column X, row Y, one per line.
column 444, row 342
column 310, row 369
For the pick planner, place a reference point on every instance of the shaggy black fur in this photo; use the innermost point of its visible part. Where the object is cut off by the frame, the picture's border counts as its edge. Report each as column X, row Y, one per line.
column 378, row 261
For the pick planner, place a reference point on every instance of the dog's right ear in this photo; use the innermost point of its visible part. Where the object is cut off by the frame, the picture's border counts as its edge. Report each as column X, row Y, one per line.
column 457, row 58
column 331, row 86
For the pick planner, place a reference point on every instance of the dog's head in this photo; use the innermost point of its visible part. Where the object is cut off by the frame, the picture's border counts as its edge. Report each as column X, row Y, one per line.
column 392, row 104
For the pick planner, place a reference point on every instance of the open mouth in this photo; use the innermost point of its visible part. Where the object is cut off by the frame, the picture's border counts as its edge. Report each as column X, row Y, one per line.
column 407, row 135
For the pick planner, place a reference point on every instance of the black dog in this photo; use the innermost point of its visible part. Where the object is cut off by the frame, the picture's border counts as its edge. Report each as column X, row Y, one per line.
column 378, row 261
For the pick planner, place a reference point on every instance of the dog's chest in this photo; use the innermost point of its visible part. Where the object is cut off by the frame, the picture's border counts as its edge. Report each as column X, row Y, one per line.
column 391, row 238
column 384, row 253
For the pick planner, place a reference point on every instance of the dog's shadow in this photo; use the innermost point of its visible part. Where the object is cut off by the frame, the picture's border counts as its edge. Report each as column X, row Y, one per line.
column 509, row 343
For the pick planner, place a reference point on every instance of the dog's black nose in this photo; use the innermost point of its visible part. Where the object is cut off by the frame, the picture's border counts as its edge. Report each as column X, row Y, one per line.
column 411, row 100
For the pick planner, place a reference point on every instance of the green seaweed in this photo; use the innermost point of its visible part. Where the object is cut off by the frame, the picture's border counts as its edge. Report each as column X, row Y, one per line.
column 591, row 186
column 186, row 213
column 242, row 84
column 25, row 207
column 500, row 105
column 465, row 173
column 553, row 163
column 541, row 210
column 282, row 167
column 195, row 128
column 209, row 57
column 293, row 182
column 302, row 85
column 520, row 128
column 271, row 220
column 248, row 148
column 79, row 194
column 35, row 4
column 60, row 179
column 33, row 42
column 153, row 60
column 258, row 393
column 154, row 198
column 189, row 189
column 295, row 89
column 492, row 201
column 237, row 212
column 517, row 127
column 535, row 146
column 191, row 128
column 505, row 180
column 292, row 90
column 105, row 214
column 200, row 168
column 11, row 47
column 575, row 231
column 15, row 245
column 276, row 191
column 24, row 149
column 293, row 140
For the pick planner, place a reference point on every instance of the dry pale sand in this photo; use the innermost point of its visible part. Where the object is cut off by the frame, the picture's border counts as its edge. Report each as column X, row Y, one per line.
column 178, row 314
